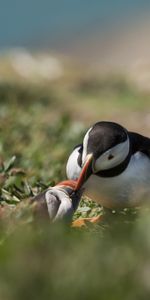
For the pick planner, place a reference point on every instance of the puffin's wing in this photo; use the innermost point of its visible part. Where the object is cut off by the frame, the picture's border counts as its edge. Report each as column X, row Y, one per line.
column 139, row 143
column 73, row 167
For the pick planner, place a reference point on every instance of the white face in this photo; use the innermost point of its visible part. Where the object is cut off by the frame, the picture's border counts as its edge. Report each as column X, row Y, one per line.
column 109, row 159
column 72, row 169
column 112, row 157
column 85, row 143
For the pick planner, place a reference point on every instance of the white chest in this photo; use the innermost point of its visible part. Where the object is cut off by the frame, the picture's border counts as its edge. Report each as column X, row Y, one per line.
column 130, row 188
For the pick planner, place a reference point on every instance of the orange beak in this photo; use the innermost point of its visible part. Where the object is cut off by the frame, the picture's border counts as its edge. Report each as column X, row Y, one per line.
column 84, row 175
column 86, row 171
column 69, row 183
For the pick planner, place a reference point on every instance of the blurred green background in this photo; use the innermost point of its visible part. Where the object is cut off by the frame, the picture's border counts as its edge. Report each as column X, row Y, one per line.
column 64, row 66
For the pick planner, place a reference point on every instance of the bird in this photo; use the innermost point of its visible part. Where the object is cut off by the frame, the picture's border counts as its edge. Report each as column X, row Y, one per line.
column 58, row 202
column 115, row 166
column 55, row 203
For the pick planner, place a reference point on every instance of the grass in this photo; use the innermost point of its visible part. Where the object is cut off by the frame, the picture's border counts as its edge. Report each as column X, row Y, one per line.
column 39, row 126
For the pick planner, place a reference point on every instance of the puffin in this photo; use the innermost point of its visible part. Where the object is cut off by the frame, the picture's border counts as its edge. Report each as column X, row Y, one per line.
column 115, row 166
column 60, row 201
column 57, row 203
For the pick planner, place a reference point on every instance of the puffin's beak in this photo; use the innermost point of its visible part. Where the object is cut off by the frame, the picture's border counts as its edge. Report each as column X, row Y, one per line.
column 76, row 185
column 68, row 183
column 86, row 171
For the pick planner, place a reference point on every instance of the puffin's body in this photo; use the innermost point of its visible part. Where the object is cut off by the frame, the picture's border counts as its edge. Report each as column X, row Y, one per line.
column 119, row 173
column 125, row 190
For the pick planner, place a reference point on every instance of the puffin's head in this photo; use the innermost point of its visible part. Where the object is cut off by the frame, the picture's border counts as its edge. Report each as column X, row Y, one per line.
column 105, row 146
column 73, row 188
column 58, row 202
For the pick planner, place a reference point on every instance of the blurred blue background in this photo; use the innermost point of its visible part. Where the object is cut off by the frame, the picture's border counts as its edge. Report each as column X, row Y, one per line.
column 75, row 27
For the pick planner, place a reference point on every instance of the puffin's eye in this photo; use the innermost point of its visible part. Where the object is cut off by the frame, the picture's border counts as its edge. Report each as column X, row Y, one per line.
column 110, row 156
